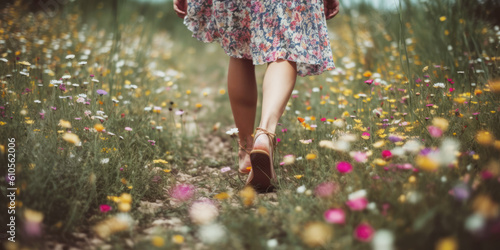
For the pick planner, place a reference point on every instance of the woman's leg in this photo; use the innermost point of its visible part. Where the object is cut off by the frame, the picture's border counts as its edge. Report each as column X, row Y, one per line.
column 242, row 91
column 279, row 82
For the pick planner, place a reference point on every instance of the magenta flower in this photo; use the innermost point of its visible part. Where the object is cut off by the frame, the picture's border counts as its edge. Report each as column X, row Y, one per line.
column 344, row 167
column 182, row 192
column 386, row 154
column 335, row 216
column 364, row 232
column 105, row 208
column 357, row 204
column 435, row 131
column 323, row 119
column 326, row 189
column 369, row 82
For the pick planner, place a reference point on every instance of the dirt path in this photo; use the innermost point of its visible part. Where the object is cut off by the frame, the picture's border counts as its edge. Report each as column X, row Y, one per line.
column 197, row 172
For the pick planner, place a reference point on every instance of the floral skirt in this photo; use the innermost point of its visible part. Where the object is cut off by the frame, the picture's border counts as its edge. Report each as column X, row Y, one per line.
column 265, row 30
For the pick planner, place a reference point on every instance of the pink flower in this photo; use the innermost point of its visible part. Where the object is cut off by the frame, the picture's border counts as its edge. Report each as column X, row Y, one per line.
column 128, row 128
column 32, row 228
column 105, row 208
column 357, row 204
column 225, row 169
column 326, row 189
column 435, row 131
column 386, row 154
column 369, row 82
column 360, row 156
column 323, row 119
column 364, row 232
column 335, row 216
column 344, row 167
column 183, row 192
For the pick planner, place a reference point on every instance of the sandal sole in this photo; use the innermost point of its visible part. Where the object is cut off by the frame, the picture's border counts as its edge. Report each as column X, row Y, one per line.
column 262, row 174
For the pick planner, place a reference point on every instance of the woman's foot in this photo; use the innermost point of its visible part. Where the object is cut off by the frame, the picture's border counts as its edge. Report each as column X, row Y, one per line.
column 244, row 160
column 262, row 175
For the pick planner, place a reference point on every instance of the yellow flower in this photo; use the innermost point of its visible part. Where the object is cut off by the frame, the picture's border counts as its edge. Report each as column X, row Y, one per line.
column 71, row 138
column 188, row 92
column 447, row 244
column 311, row 156
column 367, row 74
column 157, row 241
column 299, row 176
column 459, row 100
column 160, row 161
column 126, row 198
column 484, row 138
column 124, row 207
column 440, row 123
column 248, row 195
column 262, row 210
column 178, row 239
column 113, row 198
column 222, row 91
column 64, row 124
column 402, row 198
column 221, row 196
column 412, row 179
column 199, row 105
column 316, row 234
column 497, row 144
column 379, row 162
column 442, row 19
column 485, row 206
column 166, row 170
column 98, row 127
column 495, row 86
column 426, row 163
column 33, row 216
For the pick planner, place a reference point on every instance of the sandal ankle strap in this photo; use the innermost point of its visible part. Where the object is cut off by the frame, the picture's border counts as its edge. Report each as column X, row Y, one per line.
column 244, row 148
column 270, row 135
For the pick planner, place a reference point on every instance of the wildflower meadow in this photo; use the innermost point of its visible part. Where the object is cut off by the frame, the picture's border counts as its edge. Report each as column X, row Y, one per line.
column 116, row 132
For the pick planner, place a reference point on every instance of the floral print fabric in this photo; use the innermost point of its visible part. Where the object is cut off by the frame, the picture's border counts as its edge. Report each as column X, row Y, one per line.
column 265, row 30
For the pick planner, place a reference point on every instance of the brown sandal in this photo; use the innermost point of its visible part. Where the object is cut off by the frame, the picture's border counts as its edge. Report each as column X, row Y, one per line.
column 262, row 174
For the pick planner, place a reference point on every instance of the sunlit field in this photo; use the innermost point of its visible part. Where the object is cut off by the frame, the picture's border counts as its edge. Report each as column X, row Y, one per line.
column 116, row 133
